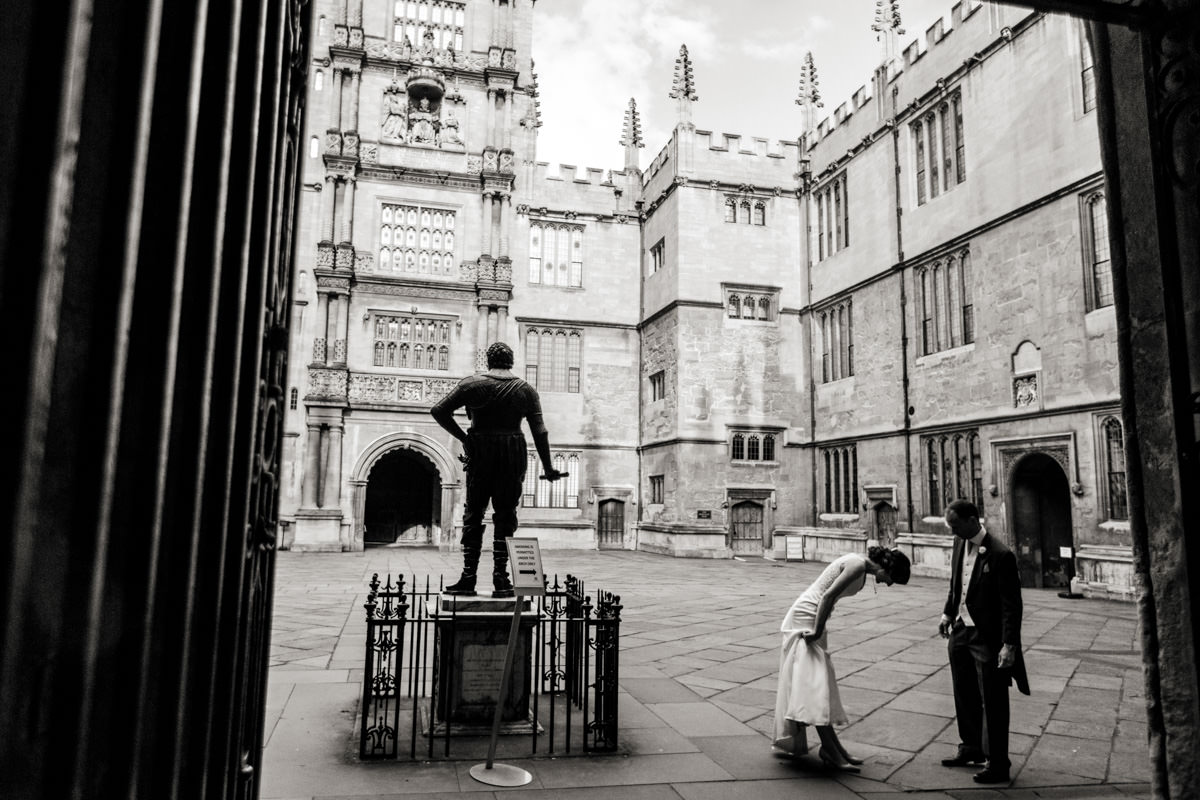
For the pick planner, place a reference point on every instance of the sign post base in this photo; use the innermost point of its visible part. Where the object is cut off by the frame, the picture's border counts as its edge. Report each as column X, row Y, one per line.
column 501, row 775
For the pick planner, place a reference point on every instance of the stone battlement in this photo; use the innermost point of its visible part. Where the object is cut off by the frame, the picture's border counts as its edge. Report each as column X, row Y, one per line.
column 916, row 50
column 744, row 145
column 573, row 174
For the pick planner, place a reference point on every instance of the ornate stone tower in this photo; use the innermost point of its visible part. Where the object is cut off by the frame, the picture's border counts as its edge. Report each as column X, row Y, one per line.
column 415, row 124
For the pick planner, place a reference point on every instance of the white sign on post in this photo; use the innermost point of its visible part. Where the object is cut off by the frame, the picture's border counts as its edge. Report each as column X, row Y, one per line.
column 1064, row 552
column 526, row 561
column 793, row 548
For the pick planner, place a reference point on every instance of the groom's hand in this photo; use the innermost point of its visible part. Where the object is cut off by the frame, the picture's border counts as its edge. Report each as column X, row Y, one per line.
column 1008, row 657
column 944, row 627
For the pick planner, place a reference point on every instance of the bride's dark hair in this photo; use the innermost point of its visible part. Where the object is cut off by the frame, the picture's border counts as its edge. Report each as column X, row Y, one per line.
column 894, row 561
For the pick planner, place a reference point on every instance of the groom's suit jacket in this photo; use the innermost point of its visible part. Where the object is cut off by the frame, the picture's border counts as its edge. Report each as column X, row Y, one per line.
column 993, row 599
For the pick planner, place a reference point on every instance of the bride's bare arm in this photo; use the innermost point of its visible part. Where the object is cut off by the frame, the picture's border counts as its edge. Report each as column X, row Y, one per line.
column 849, row 576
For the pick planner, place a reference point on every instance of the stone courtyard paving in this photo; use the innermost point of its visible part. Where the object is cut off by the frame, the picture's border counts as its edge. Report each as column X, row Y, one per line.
column 699, row 657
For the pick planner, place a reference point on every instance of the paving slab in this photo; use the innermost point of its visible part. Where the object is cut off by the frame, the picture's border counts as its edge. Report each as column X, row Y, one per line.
column 631, row 770
column 765, row 790
column 699, row 719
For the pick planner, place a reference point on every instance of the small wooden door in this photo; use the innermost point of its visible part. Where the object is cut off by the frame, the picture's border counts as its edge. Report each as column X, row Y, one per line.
column 746, row 527
column 885, row 524
column 611, row 531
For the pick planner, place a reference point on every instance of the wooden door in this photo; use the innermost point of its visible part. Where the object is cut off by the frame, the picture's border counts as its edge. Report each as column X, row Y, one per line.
column 611, row 530
column 746, row 527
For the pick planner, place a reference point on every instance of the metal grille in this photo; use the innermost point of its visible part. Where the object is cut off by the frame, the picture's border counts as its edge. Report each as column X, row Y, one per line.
column 410, row 666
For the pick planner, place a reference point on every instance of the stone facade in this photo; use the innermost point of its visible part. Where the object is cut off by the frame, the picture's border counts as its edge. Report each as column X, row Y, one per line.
column 701, row 294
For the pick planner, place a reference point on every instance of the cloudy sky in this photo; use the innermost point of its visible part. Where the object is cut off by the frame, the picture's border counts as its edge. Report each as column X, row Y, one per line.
column 593, row 55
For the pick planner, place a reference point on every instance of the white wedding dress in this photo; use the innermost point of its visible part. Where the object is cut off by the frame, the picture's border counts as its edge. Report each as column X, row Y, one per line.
column 808, row 690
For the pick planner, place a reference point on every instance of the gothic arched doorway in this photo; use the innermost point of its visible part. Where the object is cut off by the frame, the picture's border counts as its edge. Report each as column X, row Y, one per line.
column 403, row 499
column 1041, row 503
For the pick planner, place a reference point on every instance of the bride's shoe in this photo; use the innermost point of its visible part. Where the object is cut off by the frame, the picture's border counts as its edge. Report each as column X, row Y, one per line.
column 852, row 759
column 829, row 761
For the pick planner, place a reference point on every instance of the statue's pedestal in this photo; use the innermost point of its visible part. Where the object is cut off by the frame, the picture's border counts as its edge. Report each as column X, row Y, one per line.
column 472, row 634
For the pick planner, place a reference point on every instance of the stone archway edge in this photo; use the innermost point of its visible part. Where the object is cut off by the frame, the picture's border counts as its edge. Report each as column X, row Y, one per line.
column 426, row 446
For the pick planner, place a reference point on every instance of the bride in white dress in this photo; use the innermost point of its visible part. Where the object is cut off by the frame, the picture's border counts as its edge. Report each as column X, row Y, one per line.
column 808, row 690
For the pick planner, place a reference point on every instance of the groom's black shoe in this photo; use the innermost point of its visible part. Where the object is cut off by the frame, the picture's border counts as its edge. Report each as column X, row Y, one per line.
column 992, row 775
column 965, row 758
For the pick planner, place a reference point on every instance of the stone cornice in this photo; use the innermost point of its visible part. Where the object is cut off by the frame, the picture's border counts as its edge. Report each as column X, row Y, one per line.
column 419, row 177
column 574, row 323
column 410, row 287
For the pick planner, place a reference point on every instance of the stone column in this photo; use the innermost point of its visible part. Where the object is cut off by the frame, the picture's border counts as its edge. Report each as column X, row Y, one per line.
column 495, row 238
column 502, row 326
column 342, row 324
column 319, row 350
column 332, row 484
column 338, row 75
column 327, row 207
column 312, row 470
column 486, row 244
column 491, row 326
column 505, row 222
column 447, row 515
column 508, row 120
column 491, row 117
column 348, row 210
column 355, row 82
column 331, row 325
column 481, row 333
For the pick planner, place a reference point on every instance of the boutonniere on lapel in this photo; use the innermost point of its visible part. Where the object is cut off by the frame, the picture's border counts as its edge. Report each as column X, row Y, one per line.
column 986, row 566
column 981, row 550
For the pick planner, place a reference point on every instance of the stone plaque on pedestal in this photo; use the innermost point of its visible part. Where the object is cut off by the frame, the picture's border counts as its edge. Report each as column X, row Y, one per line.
column 472, row 634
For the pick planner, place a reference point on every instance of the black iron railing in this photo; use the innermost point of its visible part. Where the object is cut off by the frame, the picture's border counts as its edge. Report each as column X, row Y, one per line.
column 410, row 670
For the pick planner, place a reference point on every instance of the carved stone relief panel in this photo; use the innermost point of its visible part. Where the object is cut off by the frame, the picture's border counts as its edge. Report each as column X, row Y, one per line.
column 1025, row 392
column 326, row 384
column 409, row 391
column 437, row 388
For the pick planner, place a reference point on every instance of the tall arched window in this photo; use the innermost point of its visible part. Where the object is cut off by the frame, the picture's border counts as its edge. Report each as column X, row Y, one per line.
column 738, row 447
column 752, row 450
column 954, row 469
column 379, row 351
column 735, row 306
column 760, row 213
column 764, row 308
column 294, row 399
column 564, row 493
column 1114, row 467
column 748, row 305
column 553, row 359
column 768, row 449
column 555, row 254
column 744, row 212
column 1098, row 251
column 730, row 209
column 391, row 354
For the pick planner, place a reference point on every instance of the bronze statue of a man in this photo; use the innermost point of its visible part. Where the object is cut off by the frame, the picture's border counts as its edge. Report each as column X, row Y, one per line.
column 494, row 450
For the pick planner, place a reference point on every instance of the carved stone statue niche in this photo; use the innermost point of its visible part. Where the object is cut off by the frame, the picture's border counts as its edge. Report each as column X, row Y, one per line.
column 423, row 123
column 450, row 136
column 395, row 115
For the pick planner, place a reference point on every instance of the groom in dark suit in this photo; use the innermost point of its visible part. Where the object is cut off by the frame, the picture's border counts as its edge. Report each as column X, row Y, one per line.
column 983, row 625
